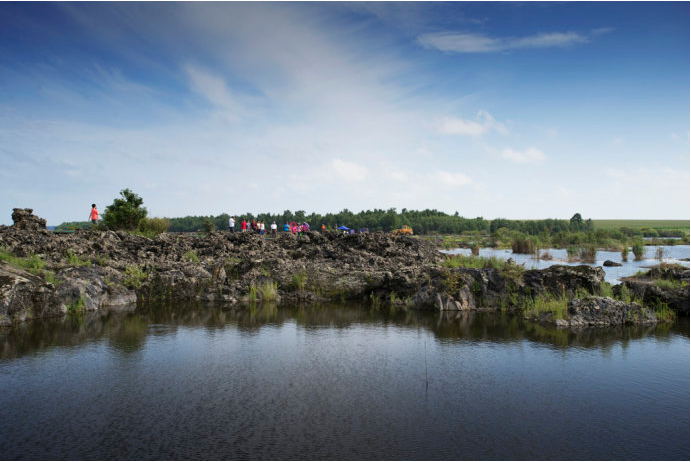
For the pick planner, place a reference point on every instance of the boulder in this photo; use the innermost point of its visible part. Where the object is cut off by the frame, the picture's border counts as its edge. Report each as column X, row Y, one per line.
column 611, row 263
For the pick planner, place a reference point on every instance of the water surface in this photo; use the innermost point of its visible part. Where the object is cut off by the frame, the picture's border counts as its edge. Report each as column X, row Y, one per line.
column 339, row 382
column 671, row 254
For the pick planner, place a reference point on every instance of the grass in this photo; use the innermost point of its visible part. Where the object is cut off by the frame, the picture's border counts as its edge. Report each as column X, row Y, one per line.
column 32, row 263
column 74, row 260
column 77, row 307
column 546, row 303
column 191, row 255
column 267, row 291
column 637, row 224
column 663, row 311
column 134, row 276
column 507, row 269
column 299, row 280
column 670, row 284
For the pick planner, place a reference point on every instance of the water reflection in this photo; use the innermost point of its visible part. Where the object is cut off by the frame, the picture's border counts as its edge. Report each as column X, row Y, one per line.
column 126, row 331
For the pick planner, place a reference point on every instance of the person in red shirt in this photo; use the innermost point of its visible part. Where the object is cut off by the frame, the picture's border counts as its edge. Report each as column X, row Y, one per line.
column 93, row 216
column 243, row 224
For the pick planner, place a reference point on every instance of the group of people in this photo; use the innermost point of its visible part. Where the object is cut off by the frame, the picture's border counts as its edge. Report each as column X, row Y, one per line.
column 258, row 227
column 253, row 226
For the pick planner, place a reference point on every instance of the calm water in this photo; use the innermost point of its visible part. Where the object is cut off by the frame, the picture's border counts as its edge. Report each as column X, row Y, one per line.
column 671, row 254
column 343, row 382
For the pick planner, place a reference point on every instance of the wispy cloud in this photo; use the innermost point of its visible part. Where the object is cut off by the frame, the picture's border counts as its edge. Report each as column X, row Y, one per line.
column 528, row 156
column 483, row 123
column 215, row 91
column 461, row 42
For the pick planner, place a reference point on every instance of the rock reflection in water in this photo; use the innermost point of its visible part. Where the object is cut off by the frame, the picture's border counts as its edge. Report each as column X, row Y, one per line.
column 126, row 330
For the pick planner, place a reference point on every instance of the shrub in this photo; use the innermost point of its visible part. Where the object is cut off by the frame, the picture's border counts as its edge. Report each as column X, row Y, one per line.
column 659, row 253
column 522, row 244
column 152, row 227
column 625, row 253
column 638, row 250
column 208, row 225
column 125, row 213
column 606, row 290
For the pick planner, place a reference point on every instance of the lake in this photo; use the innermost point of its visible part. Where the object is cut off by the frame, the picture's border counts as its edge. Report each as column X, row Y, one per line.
column 613, row 274
column 339, row 382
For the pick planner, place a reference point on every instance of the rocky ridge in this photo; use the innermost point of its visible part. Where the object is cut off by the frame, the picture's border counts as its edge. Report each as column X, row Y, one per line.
column 93, row 270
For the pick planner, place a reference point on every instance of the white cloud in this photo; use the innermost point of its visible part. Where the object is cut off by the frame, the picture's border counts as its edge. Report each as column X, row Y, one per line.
column 397, row 175
column 449, row 179
column 460, row 42
column 348, row 171
column 483, row 123
column 528, row 156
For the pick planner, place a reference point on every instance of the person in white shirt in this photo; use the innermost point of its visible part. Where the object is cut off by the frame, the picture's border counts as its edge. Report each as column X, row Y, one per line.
column 274, row 227
column 231, row 224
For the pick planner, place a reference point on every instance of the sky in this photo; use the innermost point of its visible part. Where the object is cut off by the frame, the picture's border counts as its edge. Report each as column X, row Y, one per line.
column 513, row 110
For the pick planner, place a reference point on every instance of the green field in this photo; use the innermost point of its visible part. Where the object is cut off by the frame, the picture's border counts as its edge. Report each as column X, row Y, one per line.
column 638, row 224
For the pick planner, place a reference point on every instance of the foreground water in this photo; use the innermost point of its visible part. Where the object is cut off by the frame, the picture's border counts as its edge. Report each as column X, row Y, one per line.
column 343, row 382
column 678, row 254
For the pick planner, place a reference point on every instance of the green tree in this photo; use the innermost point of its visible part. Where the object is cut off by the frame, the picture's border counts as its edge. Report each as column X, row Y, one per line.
column 577, row 222
column 126, row 212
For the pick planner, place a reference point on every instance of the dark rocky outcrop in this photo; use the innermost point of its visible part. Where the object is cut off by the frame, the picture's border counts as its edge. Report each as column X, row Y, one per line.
column 25, row 219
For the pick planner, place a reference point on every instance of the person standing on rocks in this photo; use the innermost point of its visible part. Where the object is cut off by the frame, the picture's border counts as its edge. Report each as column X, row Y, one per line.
column 243, row 225
column 231, row 224
column 93, row 216
column 274, row 229
column 262, row 230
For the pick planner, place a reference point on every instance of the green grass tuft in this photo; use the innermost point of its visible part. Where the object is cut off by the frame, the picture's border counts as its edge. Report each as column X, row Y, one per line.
column 74, row 260
column 191, row 255
column 546, row 303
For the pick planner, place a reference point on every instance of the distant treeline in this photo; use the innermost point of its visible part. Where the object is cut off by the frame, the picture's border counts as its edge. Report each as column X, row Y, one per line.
column 423, row 222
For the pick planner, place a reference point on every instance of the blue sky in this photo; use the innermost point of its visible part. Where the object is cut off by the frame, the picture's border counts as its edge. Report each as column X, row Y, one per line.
column 515, row 110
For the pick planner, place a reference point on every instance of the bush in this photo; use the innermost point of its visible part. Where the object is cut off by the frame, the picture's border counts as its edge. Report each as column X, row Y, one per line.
column 126, row 213
column 154, row 226
column 638, row 250
column 208, row 225
column 521, row 244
